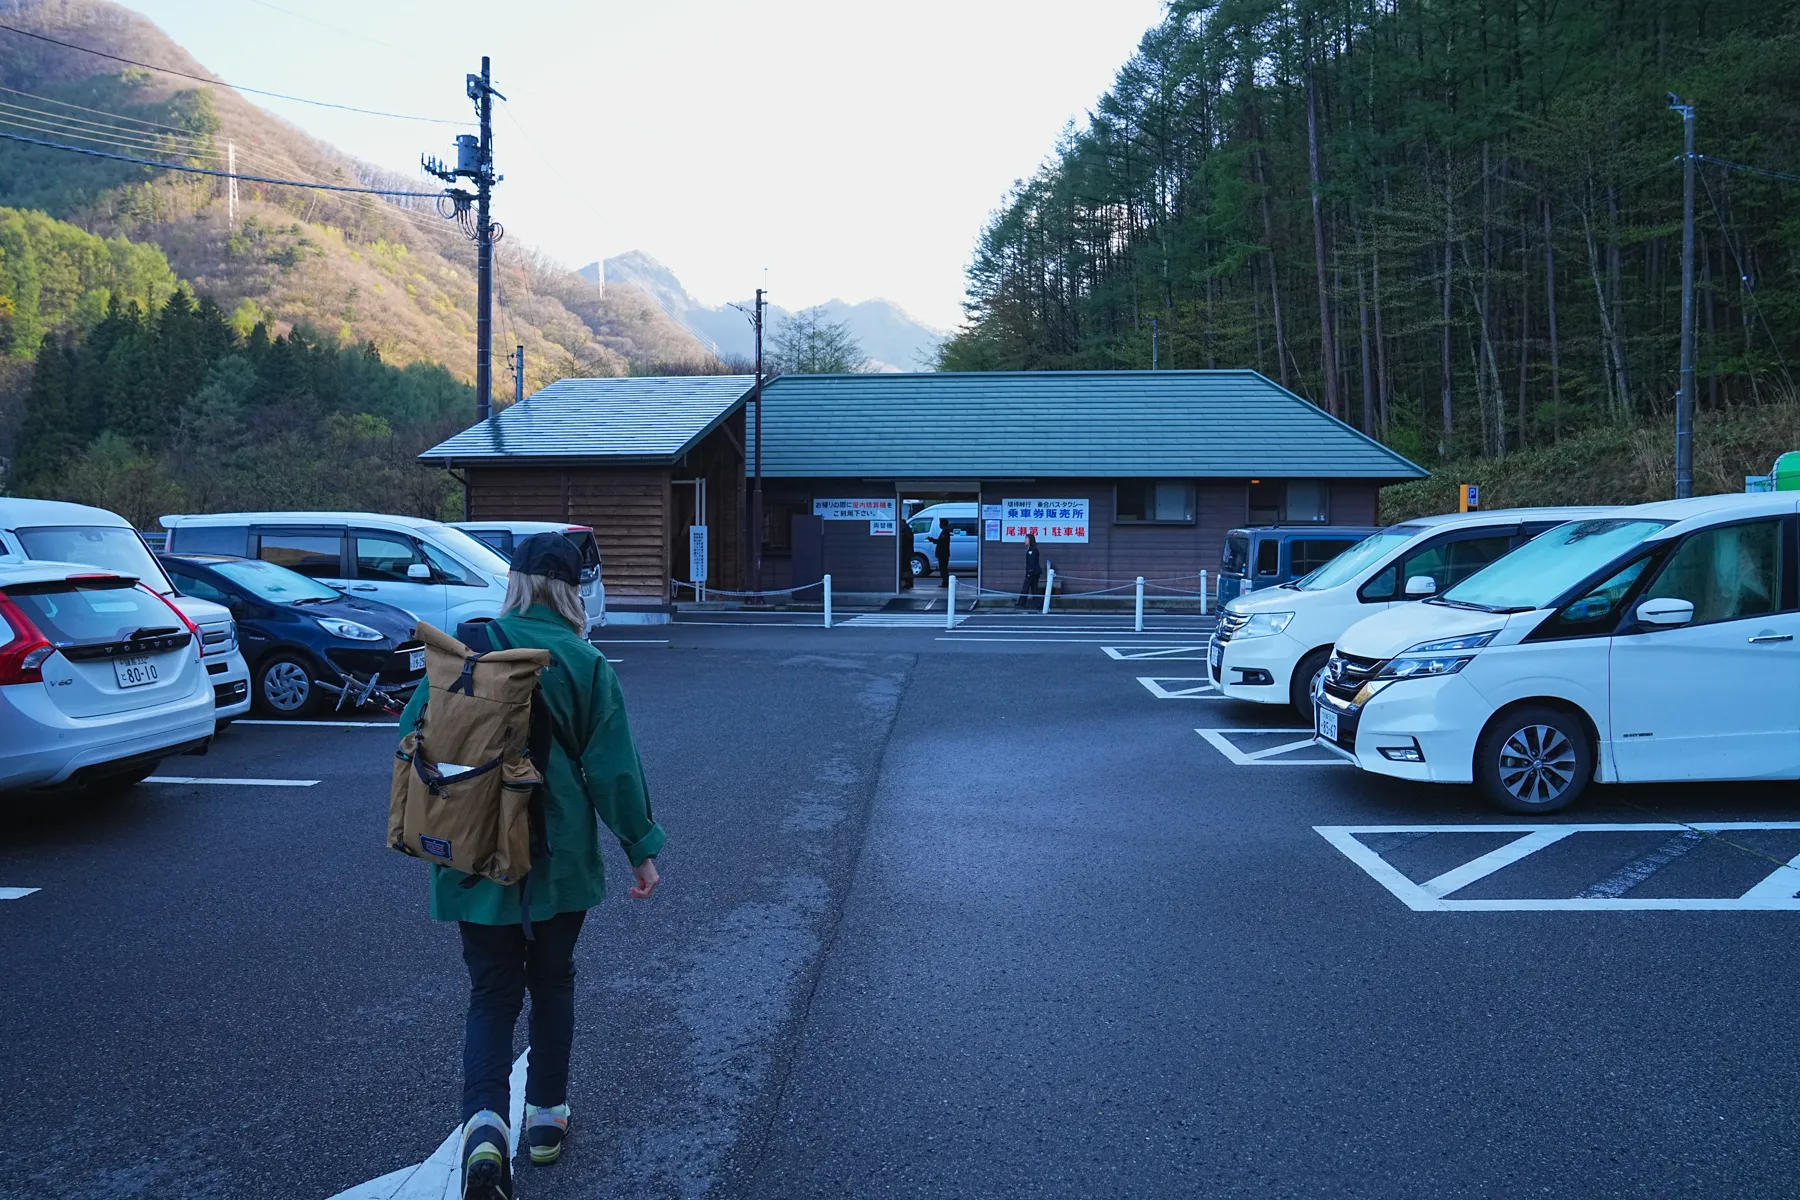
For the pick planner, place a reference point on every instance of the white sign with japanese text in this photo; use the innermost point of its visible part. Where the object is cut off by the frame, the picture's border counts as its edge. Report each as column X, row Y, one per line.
column 854, row 510
column 697, row 553
column 1050, row 520
column 881, row 529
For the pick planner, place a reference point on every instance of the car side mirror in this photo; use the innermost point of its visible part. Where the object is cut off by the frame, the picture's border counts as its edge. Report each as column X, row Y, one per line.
column 1665, row 612
column 1421, row 585
column 418, row 571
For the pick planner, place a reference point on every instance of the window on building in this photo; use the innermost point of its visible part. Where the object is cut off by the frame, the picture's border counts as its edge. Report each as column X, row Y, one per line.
column 1289, row 501
column 1155, row 501
column 778, row 522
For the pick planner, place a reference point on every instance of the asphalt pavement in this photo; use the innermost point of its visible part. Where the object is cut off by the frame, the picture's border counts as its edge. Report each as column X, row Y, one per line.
column 959, row 912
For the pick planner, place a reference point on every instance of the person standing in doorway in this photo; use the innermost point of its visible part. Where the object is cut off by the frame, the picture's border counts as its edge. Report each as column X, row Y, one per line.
column 906, row 556
column 942, row 544
column 593, row 771
column 1034, row 568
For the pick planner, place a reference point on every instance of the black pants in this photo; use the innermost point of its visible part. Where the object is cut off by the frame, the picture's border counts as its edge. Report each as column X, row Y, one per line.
column 502, row 964
column 1031, row 586
column 943, row 567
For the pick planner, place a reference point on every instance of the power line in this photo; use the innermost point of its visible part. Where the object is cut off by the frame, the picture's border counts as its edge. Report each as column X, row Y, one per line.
column 367, row 112
column 1737, row 166
column 167, row 166
column 99, row 112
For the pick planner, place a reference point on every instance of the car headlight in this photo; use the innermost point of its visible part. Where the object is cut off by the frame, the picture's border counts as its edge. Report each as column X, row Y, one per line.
column 1444, row 657
column 349, row 630
column 1263, row 625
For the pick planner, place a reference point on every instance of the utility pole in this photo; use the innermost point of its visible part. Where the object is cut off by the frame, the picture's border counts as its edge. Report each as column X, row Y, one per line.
column 1684, row 400
column 1153, row 343
column 756, row 494
column 518, row 374
column 475, row 162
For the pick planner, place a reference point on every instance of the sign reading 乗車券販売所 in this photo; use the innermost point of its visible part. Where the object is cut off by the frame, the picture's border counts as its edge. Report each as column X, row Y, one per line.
column 1050, row 520
column 854, row 510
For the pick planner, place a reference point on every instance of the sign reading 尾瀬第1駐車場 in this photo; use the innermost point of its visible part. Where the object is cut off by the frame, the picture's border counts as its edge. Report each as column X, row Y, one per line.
column 1050, row 520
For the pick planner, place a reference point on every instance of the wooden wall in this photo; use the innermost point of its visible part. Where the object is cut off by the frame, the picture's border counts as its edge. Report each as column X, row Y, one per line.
column 628, row 508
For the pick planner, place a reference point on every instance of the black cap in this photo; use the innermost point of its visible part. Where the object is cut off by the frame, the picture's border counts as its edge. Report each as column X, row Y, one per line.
column 547, row 554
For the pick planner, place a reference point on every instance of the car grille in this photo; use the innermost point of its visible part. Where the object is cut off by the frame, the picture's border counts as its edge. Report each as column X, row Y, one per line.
column 1346, row 673
column 1229, row 625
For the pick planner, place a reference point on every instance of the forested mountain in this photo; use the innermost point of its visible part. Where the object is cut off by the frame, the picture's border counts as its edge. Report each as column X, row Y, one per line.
column 1456, row 224
column 357, row 268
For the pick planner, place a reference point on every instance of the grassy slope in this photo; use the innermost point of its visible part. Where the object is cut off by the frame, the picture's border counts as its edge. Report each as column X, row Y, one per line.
column 349, row 266
column 1612, row 466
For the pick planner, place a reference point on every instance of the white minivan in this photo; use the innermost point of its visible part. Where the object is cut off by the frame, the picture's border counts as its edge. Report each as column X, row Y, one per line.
column 1653, row 644
column 53, row 530
column 436, row 573
column 1271, row 646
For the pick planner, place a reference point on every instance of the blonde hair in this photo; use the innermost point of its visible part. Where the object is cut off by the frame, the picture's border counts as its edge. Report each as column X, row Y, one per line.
column 524, row 591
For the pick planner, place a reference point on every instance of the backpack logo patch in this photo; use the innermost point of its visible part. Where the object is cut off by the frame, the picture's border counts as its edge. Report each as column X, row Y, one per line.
column 436, row 847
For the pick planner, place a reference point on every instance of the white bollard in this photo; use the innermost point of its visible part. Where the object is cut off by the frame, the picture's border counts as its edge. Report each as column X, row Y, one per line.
column 828, row 602
column 950, row 608
column 1139, row 625
column 1203, row 593
column 1049, row 585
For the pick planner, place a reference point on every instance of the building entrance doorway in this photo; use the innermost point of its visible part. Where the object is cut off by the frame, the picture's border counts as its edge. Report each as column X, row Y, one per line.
column 942, row 537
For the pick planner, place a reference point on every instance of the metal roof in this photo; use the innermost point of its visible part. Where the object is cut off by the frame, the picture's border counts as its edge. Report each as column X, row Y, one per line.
column 643, row 420
column 1033, row 424
column 946, row 425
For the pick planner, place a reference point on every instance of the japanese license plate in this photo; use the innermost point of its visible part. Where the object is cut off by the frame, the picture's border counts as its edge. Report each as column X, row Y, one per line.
column 1328, row 724
column 134, row 672
column 1216, row 655
column 415, row 661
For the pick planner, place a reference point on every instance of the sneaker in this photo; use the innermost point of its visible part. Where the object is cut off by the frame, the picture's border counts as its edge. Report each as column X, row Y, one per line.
column 487, row 1158
column 545, row 1129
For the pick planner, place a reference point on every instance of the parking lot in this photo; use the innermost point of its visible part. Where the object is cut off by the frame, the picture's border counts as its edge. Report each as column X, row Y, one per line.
column 1014, row 908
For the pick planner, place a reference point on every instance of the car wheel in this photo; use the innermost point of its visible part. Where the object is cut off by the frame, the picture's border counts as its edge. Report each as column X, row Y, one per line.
column 1300, row 689
column 1534, row 760
column 921, row 566
column 285, row 687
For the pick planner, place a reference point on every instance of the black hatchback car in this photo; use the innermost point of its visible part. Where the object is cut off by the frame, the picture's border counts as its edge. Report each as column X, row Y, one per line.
column 304, row 642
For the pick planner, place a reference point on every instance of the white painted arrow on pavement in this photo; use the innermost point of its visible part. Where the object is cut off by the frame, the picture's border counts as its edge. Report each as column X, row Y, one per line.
column 440, row 1176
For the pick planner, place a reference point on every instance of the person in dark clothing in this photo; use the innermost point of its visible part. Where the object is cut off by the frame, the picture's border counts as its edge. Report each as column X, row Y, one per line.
column 906, row 556
column 1034, row 568
column 942, row 543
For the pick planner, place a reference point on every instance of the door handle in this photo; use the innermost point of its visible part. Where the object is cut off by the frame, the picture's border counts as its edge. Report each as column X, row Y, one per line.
column 1763, row 638
column 362, row 587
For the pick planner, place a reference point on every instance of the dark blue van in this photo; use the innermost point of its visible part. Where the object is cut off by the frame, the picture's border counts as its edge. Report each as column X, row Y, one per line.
column 1272, row 554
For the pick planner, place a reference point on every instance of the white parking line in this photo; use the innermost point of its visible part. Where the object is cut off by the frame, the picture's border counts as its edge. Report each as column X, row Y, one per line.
column 1186, row 688
column 1265, row 756
column 8, row 893
column 323, row 724
column 1194, row 651
column 439, row 1177
column 1777, row 891
column 232, row 782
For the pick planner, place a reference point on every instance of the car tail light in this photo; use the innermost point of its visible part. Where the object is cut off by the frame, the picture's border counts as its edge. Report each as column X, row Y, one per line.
column 193, row 629
column 22, row 658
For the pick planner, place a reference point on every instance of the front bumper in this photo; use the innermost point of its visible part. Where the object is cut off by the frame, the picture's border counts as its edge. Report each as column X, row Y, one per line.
column 1237, row 666
column 229, row 675
column 1439, row 718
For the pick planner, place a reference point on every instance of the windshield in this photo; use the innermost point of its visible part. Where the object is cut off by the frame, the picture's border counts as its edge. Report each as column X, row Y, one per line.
column 108, row 546
column 473, row 553
column 272, row 582
column 1543, row 569
column 1348, row 566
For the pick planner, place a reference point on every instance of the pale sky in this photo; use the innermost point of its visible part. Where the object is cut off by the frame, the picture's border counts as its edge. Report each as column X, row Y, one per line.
column 851, row 149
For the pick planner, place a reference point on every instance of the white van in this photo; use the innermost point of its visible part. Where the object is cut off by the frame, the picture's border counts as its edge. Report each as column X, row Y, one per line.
column 1271, row 646
column 38, row 530
column 1656, row 643
column 436, row 573
column 502, row 536
column 964, row 519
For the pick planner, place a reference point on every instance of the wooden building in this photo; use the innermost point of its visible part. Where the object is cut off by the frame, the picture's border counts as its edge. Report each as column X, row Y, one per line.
column 1122, row 473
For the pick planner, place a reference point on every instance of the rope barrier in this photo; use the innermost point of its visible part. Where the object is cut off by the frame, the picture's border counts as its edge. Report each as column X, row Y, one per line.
column 713, row 591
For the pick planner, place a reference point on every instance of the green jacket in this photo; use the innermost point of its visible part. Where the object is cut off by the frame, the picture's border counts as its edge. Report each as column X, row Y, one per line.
column 582, row 694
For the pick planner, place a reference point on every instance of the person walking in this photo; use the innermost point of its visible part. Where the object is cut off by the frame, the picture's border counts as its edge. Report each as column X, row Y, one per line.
column 942, row 544
column 1034, row 568
column 593, row 771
